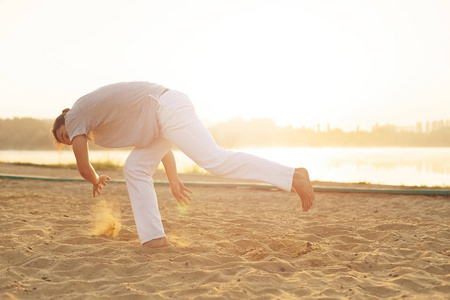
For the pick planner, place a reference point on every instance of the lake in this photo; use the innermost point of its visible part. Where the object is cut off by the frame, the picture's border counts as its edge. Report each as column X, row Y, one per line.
column 393, row 166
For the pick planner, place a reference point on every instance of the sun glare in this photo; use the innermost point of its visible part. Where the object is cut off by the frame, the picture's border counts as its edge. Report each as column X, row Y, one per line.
column 300, row 63
column 262, row 63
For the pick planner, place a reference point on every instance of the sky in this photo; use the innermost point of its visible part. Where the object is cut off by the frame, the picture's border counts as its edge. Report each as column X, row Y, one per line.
column 300, row 63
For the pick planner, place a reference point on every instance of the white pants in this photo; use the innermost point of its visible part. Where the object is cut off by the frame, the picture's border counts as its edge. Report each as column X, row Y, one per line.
column 179, row 125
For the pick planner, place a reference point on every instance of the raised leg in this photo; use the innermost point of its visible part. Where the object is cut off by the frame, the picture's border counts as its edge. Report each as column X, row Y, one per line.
column 180, row 124
column 303, row 187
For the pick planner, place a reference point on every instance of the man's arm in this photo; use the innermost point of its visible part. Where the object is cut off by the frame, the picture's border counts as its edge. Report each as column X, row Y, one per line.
column 170, row 166
column 179, row 191
column 80, row 149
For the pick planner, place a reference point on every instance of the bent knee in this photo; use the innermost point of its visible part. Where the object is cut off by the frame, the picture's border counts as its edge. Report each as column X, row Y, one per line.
column 130, row 170
column 134, row 171
column 127, row 171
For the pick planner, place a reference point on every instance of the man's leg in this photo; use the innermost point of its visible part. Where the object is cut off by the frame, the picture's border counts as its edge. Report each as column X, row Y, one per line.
column 180, row 124
column 138, row 170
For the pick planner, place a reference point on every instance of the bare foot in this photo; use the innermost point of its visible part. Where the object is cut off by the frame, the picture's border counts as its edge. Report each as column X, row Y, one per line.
column 303, row 187
column 156, row 243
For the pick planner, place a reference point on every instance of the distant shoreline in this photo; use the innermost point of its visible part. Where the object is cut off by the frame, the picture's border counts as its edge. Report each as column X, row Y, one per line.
column 70, row 171
column 392, row 166
column 34, row 134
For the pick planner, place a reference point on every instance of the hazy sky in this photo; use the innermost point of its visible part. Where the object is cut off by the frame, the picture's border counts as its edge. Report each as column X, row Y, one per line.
column 298, row 62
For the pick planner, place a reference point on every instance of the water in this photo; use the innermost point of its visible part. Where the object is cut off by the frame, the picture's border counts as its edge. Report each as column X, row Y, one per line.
column 393, row 166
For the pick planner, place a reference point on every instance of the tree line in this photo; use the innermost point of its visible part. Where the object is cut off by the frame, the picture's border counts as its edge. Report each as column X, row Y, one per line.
column 35, row 134
column 240, row 133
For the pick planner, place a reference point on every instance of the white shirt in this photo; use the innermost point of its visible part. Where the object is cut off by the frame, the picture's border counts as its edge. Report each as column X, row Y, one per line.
column 118, row 115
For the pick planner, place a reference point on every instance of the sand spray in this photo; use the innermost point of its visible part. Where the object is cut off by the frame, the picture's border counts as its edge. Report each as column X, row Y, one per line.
column 107, row 217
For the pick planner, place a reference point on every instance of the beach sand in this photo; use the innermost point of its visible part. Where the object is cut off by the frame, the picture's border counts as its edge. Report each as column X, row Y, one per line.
column 230, row 243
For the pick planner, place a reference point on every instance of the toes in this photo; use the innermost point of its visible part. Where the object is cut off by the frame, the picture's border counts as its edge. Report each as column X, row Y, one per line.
column 306, row 204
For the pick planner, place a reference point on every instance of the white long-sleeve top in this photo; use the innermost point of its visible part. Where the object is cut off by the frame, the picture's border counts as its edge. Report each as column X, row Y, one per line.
column 117, row 115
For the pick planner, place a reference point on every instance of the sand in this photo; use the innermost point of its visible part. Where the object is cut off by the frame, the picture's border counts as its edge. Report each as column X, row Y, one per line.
column 228, row 244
